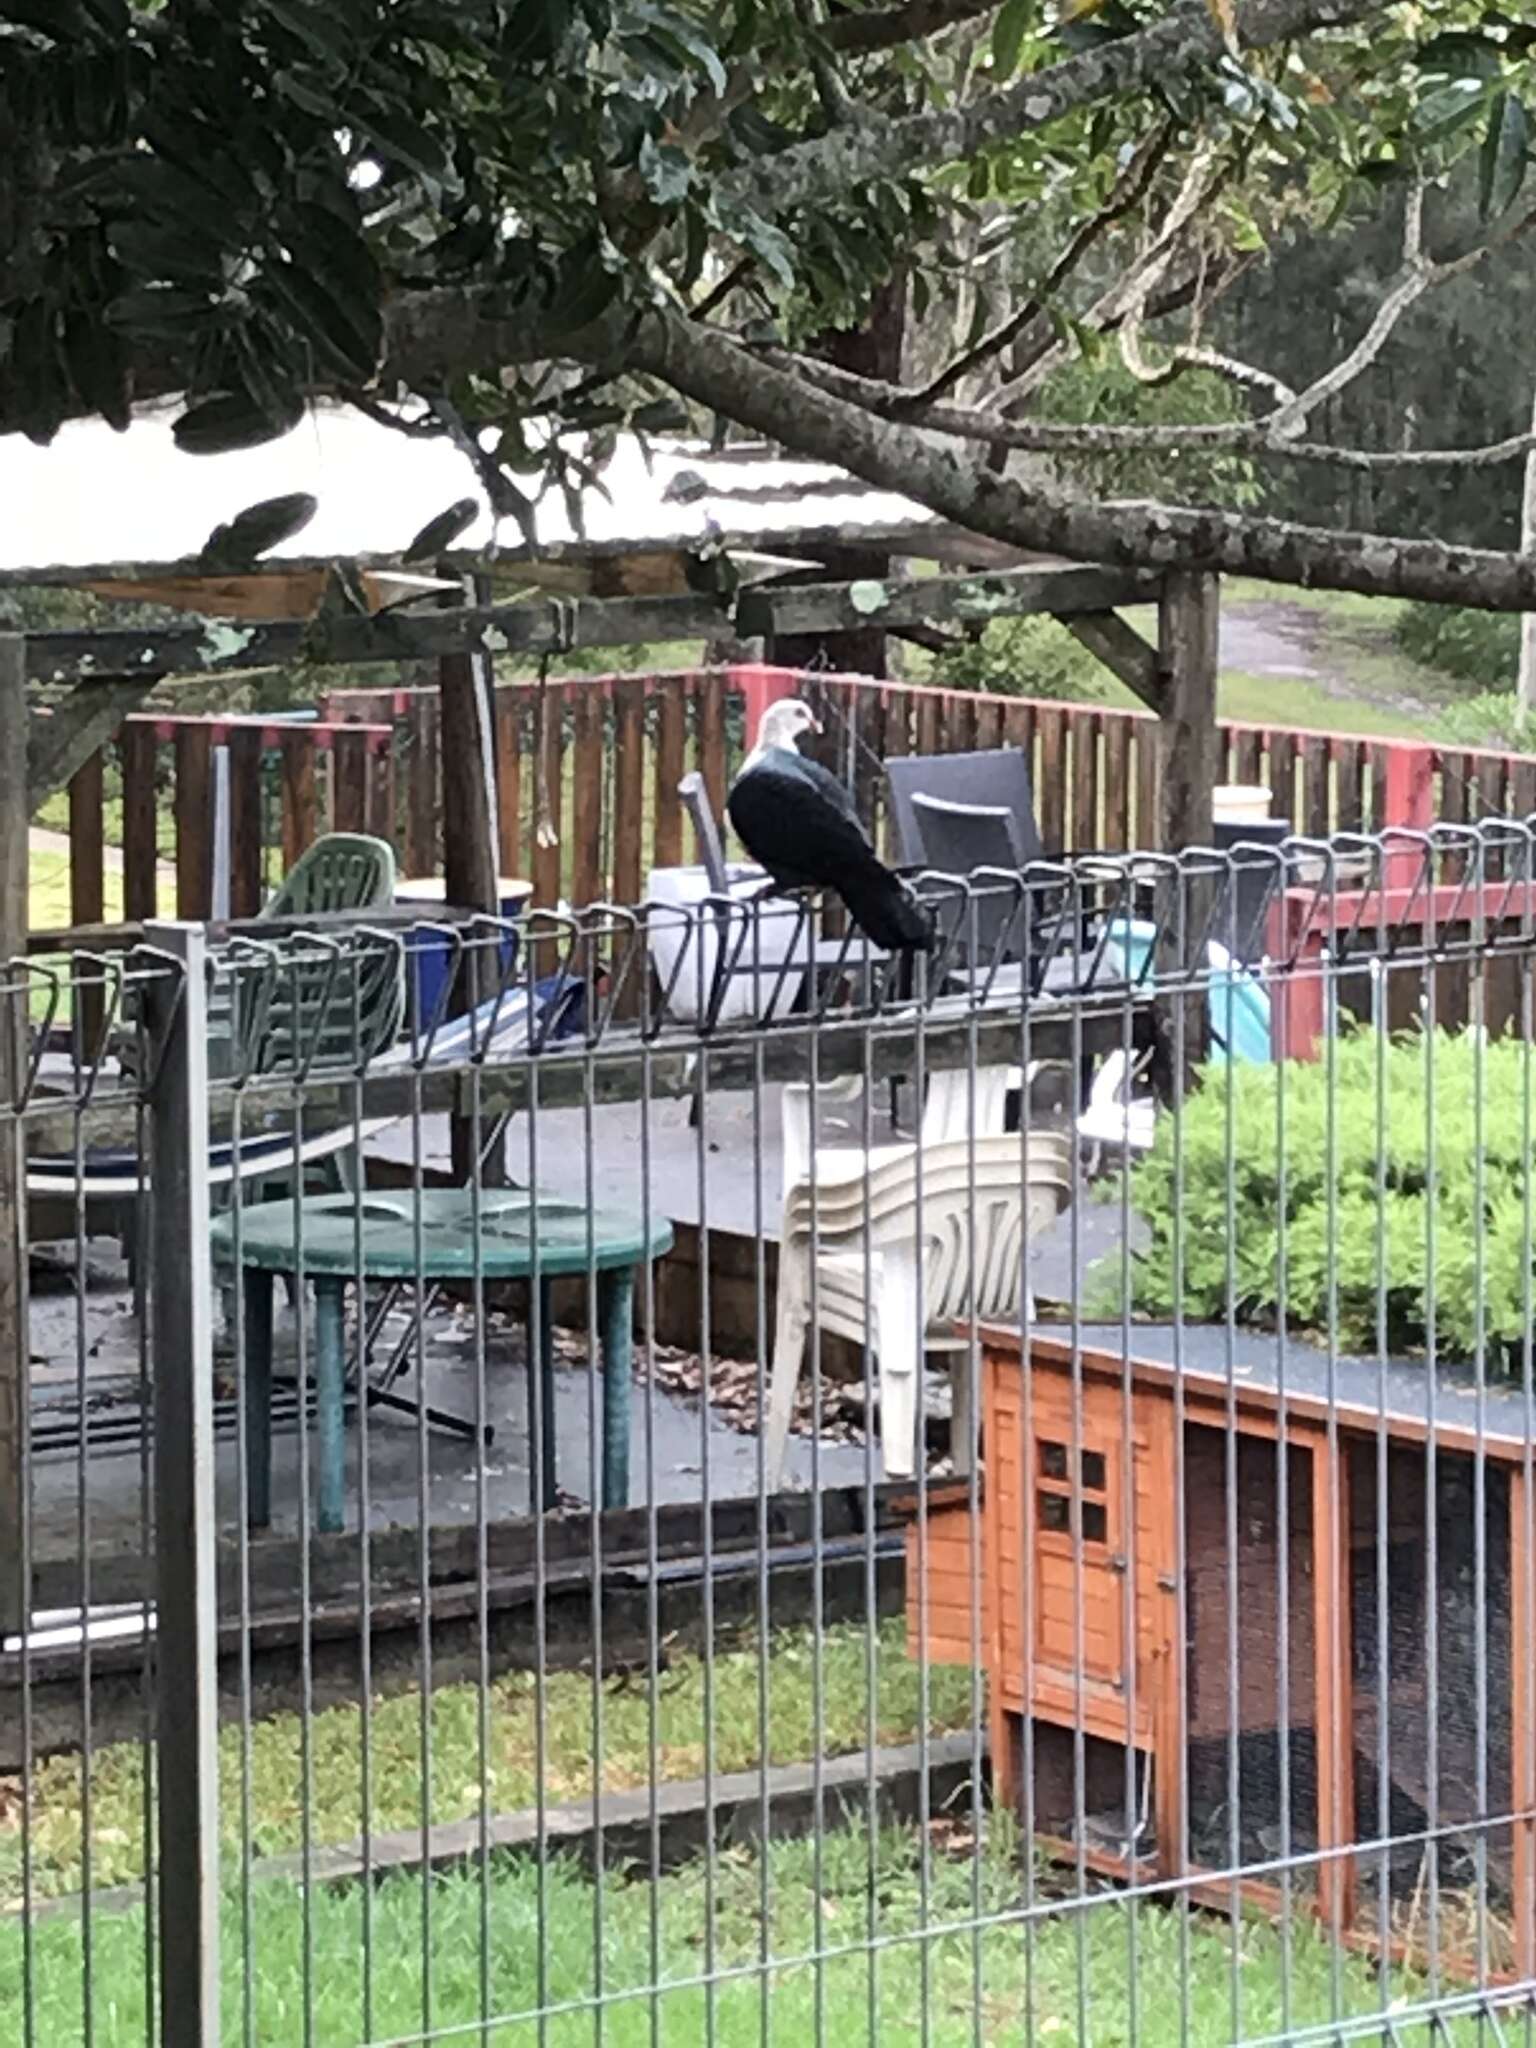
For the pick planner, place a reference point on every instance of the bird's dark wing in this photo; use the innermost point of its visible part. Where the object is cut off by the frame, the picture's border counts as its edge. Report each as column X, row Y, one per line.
column 826, row 784
column 787, row 820
column 798, row 822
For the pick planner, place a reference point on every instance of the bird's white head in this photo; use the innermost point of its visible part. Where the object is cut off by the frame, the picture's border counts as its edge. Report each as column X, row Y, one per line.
column 783, row 723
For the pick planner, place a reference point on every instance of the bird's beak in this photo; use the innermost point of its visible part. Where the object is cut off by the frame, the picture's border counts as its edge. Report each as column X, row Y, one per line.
column 815, row 727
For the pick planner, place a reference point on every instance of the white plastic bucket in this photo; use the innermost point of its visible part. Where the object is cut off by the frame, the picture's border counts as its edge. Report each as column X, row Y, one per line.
column 1240, row 803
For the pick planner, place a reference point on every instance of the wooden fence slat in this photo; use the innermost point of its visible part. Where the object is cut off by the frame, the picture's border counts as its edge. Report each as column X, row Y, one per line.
column 1520, row 788
column 349, row 782
column 300, row 802
column 628, row 790
column 875, row 705
column 423, row 771
column 1051, row 789
column 589, row 760
column 88, row 884
column 671, row 745
column 87, row 842
column 383, row 796
column 989, row 722
column 929, row 731
column 191, row 807
column 1489, row 784
column 1282, row 774
column 245, row 833
column 1086, row 835
column 1144, row 767
column 712, row 745
column 1117, row 784
column 136, row 752
column 510, row 852
column 1245, row 752
column 1349, row 766
column 1316, row 786
column 1018, row 730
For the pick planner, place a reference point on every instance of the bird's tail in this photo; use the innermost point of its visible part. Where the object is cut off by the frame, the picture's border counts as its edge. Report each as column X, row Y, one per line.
column 885, row 910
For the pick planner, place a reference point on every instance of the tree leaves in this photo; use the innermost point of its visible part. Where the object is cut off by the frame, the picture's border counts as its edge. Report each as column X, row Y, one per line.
column 230, row 420
column 1014, row 20
column 1506, row 156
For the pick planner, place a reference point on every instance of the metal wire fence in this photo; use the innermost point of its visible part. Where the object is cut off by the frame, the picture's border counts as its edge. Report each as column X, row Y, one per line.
column 784, row 1493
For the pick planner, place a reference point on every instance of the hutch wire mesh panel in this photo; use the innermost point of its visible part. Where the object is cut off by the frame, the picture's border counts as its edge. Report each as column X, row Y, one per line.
column 451, row 1601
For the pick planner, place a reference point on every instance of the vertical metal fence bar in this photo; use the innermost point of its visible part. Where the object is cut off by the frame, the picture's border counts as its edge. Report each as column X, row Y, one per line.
column 1272, row 1781
column 186, row 1660
column 15, row 815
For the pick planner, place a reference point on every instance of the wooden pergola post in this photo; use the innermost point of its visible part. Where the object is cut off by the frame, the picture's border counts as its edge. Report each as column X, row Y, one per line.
column 1186, row 767
column 1189, row 661
column 14, row 874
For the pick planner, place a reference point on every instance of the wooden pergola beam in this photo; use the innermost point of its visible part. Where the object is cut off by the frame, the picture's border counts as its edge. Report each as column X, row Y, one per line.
column 1122, row 650
column 61, row 742
column 940, row 600
column 534, row 628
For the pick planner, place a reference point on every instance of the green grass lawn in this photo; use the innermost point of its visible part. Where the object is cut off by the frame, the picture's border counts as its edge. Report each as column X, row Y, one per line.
column 1298, row 701
column 48, row 890
column 401, row 1795
column 953, row 1960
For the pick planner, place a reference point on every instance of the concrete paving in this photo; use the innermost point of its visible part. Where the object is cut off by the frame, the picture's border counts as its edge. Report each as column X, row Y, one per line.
column 86, row 1338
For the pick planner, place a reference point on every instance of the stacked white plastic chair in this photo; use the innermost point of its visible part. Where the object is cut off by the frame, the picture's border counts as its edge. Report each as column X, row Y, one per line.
column 906, row 1246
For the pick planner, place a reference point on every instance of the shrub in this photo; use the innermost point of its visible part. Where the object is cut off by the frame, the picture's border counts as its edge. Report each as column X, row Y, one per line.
column 1027, row 657
column 1479, row 647
column 1427, row 1139
column 1493, row 718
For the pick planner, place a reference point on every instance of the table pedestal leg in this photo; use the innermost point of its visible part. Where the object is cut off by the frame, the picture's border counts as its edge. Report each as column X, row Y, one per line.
column 330, row 1382
column 616, row 1308
column 256, row 1397
column 541, row 1401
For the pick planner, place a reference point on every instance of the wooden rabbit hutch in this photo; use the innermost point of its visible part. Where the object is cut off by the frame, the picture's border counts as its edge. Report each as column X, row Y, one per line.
column 1242, row 1643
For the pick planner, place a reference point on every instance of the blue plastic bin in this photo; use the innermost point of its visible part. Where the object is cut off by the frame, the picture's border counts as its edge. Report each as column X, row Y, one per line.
column 429, row 960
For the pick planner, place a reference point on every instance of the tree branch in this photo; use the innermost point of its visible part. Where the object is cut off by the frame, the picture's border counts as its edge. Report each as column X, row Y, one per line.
column 1129, row 190
column 827, row 167
column 706, row 366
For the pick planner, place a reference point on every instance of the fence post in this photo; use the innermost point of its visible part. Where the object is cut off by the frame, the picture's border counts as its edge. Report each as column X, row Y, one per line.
column 186, row 1605
column 15, row 1597
column 1407, row 802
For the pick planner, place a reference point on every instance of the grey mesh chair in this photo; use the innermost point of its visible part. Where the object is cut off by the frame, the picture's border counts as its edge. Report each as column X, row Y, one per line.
column 987, row 927
column 997, row 780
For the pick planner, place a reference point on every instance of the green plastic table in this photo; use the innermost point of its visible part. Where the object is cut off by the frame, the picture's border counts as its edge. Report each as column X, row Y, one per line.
column 378, row 1236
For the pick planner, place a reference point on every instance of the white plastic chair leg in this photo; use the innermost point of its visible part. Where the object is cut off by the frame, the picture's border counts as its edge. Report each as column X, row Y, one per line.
column 962, row 1424
column 791, row 1321
column 901, row 1364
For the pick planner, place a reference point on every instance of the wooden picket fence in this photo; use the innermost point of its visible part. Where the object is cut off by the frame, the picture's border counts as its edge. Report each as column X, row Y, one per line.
column 601, row 758
column 146, row 803
column 608, row 753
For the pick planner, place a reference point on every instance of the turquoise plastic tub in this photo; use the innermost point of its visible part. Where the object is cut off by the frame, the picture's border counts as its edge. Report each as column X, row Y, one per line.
column 1238, row 1008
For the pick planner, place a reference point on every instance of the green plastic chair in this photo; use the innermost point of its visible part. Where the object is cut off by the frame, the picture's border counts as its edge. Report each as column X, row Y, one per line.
column 315, row 1015
column 341, row 871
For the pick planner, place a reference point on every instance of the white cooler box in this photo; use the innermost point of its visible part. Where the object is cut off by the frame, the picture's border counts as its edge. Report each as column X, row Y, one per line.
column 687, row 954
